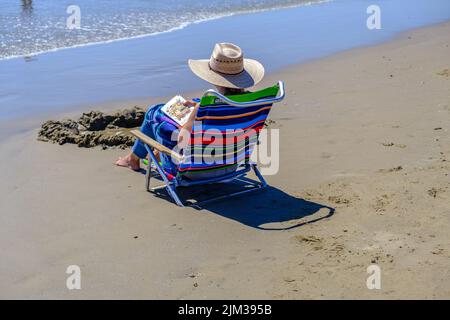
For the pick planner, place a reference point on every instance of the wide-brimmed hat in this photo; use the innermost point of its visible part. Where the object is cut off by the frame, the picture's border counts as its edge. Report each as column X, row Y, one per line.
column 228, row 68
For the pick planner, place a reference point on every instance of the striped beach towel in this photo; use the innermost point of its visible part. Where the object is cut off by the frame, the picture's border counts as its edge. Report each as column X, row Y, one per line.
column 223, row 136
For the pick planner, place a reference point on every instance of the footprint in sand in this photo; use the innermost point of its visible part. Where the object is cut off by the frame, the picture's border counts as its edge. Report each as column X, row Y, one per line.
column 395, row 169
column 339, row 200
column 381, row 202
column 308, row 239
column 434, row 192
column 444, row 73
column 391, row 144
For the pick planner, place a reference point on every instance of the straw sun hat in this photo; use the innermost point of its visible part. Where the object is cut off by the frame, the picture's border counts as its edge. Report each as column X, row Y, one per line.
column 228, row 68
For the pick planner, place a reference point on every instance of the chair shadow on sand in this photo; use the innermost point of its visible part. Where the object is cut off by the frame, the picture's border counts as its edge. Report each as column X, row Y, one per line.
column 266, row 209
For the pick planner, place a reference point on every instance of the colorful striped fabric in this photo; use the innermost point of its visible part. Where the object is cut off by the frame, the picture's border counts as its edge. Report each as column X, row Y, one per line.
column 223, row 136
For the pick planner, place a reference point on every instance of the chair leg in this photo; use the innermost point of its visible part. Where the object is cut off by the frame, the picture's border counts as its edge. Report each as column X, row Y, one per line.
column 174, row 195
column 148, row 174
column 169, row 187
column 259, row 175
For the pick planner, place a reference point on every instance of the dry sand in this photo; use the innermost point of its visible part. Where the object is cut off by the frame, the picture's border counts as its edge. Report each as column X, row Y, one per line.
column 365, row 132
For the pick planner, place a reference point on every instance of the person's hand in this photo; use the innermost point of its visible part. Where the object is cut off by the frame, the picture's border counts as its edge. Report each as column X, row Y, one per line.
column 189, row 103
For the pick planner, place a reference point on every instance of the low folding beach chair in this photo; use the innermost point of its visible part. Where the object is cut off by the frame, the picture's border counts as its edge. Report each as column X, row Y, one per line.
column 225, row 132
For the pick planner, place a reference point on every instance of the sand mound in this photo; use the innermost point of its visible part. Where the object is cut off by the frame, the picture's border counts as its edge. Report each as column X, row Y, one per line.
column 94, row 128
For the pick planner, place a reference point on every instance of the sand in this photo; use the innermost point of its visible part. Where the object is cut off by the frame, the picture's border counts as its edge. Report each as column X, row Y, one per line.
column 364, row 164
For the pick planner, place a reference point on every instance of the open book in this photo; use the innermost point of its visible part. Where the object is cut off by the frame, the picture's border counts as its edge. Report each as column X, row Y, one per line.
column 176, row 110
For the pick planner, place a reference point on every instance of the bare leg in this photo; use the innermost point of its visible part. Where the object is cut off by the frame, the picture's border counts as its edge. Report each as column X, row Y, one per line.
column 132, row 161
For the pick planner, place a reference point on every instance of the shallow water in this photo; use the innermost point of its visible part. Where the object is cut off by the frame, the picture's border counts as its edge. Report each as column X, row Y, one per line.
column 31, row 26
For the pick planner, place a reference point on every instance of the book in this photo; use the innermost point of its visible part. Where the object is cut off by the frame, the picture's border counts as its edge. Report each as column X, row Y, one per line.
column 176, row 110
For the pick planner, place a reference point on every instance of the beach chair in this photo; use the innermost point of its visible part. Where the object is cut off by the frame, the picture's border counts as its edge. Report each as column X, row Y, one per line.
column 225, row 132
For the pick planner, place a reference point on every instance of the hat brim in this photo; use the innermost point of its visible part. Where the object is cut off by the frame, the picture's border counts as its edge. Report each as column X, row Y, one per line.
column 252, row 74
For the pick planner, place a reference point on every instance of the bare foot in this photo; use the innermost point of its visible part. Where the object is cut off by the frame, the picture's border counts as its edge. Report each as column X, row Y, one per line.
column 130, row 161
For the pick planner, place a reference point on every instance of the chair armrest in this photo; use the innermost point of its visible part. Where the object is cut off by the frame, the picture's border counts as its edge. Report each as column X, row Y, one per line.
column 155, row 144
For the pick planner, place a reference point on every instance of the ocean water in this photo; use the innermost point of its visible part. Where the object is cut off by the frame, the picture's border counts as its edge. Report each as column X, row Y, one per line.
column 34, row 26
column 49, row 84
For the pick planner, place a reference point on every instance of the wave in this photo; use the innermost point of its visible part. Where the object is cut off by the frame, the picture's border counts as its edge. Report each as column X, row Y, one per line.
column 173, row 29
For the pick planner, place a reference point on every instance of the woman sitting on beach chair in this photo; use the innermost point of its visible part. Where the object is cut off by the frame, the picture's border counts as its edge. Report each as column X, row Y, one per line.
column 227, row 70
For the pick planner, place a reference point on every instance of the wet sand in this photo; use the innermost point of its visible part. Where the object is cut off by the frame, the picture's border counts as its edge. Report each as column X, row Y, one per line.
column 363, row 179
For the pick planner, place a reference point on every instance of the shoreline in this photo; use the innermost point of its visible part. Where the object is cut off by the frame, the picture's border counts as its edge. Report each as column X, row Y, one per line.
column 156, row 66
column 365, row 132
column 173, row 29
column 32, row 123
